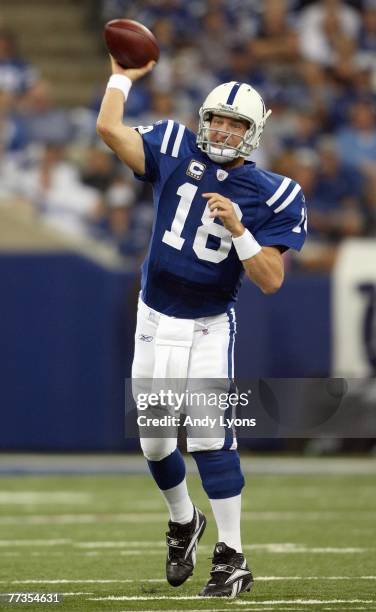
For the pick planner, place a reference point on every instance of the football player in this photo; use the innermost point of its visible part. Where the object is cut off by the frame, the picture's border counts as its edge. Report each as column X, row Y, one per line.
column 217, row 218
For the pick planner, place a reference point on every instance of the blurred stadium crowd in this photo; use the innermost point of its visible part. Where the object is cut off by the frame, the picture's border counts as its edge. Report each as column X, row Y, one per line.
column 313, row 62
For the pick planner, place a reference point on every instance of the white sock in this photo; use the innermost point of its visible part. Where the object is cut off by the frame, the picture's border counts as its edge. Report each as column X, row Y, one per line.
column 227, row 516
column 179, row 503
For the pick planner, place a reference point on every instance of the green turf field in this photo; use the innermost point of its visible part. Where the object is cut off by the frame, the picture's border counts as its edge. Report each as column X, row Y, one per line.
column 310, row 540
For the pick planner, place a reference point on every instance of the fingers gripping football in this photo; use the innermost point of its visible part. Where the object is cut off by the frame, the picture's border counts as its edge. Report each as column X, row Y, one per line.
column 223, row 209
column 132, row 73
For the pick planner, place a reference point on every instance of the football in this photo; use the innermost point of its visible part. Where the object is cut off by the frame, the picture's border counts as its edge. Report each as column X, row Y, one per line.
column 130, row 43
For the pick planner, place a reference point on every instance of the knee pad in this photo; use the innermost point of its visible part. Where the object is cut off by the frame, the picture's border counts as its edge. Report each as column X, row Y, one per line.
column 156, row 449
column 220, row 473
column 169, row 472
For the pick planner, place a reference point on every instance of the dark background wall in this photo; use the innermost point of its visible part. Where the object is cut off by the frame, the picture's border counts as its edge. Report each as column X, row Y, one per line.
column 66, row 334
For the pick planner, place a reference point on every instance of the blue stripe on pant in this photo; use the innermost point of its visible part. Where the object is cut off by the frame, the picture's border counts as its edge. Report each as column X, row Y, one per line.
column 229, row 434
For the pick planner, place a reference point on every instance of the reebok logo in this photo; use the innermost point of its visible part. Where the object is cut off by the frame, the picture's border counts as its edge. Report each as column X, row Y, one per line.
column 145, row 338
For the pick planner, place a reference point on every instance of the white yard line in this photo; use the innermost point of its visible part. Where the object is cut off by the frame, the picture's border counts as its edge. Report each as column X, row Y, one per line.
column 162, row 580
column 140, row 517
column 84, row 581
column 273, row 578
column 44, row 497
column 285, row 547
column 135, row 547
column 122, row 544
column 43, row 554
column 212, row 610
column 57, row 542
column 150, row 598
column 247, row 602
column 279, row 547
column 52, row 519
column 306, row 602
column 70, row 594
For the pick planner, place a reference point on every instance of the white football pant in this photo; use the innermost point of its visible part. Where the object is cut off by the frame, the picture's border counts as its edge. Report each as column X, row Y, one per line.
column 187, row 352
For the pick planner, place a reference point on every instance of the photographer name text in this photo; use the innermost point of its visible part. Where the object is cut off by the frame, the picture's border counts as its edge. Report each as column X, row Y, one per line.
column 175, row 421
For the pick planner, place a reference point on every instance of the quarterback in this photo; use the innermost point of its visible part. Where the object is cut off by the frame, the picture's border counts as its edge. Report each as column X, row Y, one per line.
column 217, row 218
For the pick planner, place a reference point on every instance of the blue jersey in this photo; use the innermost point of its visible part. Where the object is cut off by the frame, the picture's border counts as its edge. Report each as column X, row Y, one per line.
column 192, row 269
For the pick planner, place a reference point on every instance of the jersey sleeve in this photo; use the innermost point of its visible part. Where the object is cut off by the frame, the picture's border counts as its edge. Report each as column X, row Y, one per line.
column 162, row 141
column 285, row 221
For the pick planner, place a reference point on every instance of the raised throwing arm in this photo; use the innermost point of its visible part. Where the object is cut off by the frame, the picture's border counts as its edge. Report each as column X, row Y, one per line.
column 123, row 140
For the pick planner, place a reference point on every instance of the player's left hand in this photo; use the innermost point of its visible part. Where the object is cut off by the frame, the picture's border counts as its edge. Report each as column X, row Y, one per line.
column 222, row 208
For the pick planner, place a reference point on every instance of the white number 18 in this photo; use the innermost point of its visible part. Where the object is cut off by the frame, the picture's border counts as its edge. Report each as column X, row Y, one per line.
column 173, row 237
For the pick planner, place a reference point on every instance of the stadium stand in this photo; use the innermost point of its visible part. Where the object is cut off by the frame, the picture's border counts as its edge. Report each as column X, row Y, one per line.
column 319, row 80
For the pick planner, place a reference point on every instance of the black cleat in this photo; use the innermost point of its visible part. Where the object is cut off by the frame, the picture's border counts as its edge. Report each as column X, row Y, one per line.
column 182, row 543
column 230, row 574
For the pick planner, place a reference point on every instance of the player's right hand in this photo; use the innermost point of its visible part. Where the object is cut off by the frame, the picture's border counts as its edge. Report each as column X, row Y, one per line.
column 132, row 73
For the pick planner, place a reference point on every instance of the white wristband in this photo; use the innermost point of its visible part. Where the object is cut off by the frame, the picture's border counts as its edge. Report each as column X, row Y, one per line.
column 120, row 81
column 246, row 245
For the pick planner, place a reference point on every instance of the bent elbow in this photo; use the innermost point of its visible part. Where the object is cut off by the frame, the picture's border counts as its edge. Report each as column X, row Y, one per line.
column 103, row 130
column 107, row 132
column 271, row 287
column 269, row 290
